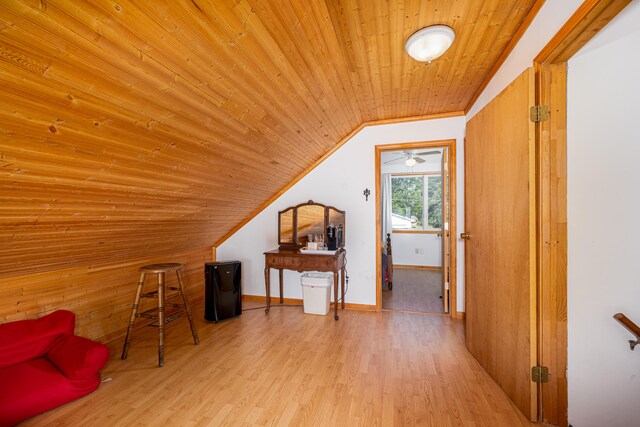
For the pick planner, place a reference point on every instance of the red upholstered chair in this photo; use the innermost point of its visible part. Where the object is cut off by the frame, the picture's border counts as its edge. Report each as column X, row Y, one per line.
column 44, row 365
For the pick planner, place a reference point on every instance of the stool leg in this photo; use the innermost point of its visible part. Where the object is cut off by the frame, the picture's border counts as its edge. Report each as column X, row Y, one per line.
column 161, row 319
column 187, row 309
column 134, row 312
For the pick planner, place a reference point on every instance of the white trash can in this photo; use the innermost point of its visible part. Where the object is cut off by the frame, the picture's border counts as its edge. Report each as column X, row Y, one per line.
column 316, row 292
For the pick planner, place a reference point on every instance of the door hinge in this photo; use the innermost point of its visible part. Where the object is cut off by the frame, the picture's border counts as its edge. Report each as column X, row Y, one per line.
column 539, row 113
column 539, row 374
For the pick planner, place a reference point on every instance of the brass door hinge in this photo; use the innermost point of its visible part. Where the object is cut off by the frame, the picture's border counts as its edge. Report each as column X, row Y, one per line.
column 539, row 113
column 539, row 374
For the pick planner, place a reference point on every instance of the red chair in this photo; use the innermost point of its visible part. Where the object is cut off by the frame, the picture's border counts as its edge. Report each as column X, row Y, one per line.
column 44, row 365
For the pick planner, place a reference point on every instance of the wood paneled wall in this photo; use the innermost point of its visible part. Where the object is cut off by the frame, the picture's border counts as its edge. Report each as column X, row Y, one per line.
column 139, row 131
column 100, row 294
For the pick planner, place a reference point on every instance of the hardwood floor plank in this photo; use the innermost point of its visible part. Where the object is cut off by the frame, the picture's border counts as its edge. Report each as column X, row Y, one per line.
column 288, row 368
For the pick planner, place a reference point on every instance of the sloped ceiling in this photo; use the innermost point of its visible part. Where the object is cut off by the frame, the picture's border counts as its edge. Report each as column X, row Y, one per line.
column 137, row 128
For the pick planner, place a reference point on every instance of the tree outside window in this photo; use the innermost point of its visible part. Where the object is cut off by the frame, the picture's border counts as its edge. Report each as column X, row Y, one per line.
column 411, row 209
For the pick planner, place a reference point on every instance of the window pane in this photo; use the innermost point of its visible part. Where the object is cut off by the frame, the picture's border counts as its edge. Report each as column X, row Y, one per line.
column 434, row 201
column 407, row 202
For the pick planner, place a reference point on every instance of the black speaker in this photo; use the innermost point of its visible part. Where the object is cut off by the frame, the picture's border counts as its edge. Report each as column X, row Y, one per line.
column 222, row 292
column 332, row 240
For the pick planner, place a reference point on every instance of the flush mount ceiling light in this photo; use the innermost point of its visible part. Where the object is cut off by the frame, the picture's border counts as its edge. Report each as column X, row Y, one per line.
column 429, row 43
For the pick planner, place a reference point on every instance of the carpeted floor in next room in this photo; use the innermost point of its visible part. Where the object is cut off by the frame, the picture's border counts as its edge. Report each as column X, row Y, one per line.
column 415, row 290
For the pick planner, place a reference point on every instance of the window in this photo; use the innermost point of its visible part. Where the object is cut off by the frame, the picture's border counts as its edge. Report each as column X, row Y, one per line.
column 416, row 202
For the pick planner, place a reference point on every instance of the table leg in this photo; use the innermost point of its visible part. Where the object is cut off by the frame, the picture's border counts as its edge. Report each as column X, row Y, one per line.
column 335, row 296
column 342, row 272
column 281, row 280
column 267, row 286
column 160, row 319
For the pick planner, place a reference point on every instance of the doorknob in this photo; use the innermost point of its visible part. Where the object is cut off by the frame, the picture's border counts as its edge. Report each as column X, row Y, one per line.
column 465, row 236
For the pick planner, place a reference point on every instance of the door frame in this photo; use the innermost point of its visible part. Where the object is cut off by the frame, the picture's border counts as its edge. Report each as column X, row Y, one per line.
column 450, row 144
column 551, row 200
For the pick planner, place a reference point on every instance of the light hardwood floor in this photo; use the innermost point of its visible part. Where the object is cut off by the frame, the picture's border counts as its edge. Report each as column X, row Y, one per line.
column 288, row 368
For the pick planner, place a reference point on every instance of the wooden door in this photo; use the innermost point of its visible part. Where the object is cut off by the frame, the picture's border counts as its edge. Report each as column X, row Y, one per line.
column 500, row 268
column 445, row 230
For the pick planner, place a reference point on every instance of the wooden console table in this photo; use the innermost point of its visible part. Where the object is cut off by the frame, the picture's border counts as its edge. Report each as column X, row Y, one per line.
column 293, row 259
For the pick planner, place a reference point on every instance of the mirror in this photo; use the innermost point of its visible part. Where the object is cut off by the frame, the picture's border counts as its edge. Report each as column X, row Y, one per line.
column 310, row 224
column 286, row 227
column 337, row 218
column 297, row 225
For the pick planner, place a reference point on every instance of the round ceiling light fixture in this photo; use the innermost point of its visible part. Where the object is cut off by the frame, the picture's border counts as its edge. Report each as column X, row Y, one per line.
column 429, row 43
column 410, row 161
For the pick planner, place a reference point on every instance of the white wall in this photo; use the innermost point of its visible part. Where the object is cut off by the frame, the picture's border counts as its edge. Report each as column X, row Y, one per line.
column 603, row 212
column 546, row 24
column 405, row 246
column 339, row 181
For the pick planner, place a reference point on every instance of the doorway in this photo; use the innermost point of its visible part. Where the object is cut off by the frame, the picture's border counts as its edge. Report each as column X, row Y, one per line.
column 416, row 227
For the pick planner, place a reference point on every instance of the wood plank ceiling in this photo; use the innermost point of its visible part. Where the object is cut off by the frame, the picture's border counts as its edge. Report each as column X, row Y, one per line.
column 133, row 128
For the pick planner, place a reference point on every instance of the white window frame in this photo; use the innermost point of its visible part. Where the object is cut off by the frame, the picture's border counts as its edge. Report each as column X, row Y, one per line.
column 425, row 201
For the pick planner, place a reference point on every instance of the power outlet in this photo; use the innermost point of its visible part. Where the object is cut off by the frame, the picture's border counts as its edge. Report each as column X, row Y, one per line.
column 419, row 251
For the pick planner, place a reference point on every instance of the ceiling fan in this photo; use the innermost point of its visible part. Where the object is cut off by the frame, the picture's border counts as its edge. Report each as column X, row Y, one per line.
column 411, row 158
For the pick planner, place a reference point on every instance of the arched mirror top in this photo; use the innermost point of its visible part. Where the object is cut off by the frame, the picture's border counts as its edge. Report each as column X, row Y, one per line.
column 311, row 222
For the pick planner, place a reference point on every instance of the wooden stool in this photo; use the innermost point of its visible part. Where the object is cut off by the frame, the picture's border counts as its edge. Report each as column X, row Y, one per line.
column 160, row 270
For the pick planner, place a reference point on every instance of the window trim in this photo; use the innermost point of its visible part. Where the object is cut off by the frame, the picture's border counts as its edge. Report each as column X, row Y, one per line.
column 405, row 231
